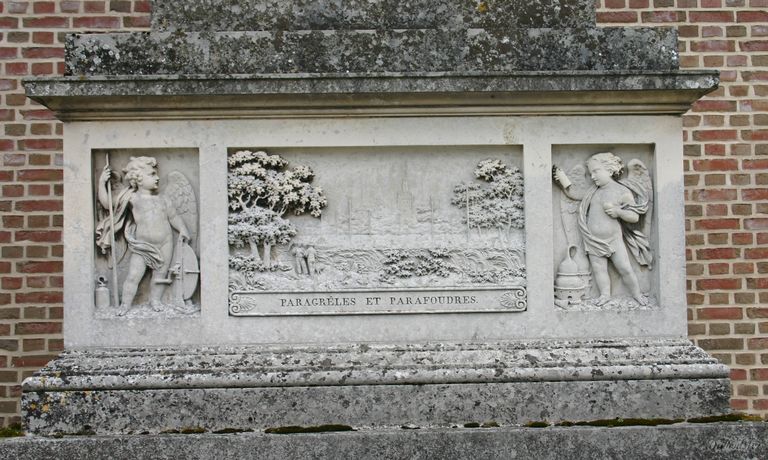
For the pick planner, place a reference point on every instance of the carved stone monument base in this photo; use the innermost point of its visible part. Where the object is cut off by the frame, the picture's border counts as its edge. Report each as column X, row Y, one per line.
column 130, row 391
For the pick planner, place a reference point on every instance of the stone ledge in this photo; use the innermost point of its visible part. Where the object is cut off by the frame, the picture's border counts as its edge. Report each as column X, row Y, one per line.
column 388, row 94
column 372, row 51
column 156, row 389
column 363, row 364
column 712, row 441
column 200, row 15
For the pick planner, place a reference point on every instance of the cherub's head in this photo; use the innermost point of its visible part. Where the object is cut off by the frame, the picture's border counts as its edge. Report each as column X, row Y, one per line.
column 603, row 167
column 141, row 172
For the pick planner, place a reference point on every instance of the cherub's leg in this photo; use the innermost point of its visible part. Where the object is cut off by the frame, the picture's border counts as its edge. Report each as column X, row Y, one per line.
column 621, row 262
column 602, row 280
column 136, row 269
column 157, row 289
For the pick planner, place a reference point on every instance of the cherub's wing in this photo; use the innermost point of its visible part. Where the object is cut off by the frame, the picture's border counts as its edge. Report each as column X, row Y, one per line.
column 181, row 196
column 640, row 178
column 569, row 208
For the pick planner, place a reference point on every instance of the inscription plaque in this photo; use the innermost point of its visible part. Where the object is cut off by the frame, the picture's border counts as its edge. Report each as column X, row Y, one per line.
column 376, row 231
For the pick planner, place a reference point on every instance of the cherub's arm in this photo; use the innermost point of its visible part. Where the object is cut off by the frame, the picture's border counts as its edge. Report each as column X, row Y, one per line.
column 103, row 196
column 619, row 211
column 561, row 178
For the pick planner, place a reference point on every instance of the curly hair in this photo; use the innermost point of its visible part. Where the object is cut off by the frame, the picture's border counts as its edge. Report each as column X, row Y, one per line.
column 134, row 168
column 610, row 162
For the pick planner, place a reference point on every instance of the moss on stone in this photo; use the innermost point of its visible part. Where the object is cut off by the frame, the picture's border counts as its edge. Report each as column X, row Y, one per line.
column 11, row 431
column 308, row 429
column 538, row 424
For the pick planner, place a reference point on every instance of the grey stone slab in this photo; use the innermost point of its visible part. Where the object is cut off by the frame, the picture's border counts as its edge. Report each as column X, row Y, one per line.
column 161, row 96
column 412, row 50
column 153, row 390
column 680, row 441
column 200, row 15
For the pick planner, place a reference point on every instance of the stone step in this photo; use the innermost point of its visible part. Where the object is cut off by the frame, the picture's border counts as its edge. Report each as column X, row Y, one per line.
column 114, row 391
column 369, row 51
column 292, row 15
column 712, row 441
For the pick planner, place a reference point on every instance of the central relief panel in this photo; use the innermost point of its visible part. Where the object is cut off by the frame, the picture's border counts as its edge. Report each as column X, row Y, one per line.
column 376, row 230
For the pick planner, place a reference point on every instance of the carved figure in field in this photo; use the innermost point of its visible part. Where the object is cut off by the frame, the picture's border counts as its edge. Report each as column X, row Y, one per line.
column 311, row 254
column 146, row 221
column 610, row 220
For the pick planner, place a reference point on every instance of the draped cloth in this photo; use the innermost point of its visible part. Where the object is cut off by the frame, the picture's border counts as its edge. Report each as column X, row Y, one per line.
column 637, row 242
column 123, row 223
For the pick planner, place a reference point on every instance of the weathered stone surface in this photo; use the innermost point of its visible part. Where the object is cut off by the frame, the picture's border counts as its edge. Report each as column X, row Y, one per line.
column 200, row 15
column 680, row 441
column 153, row 390
column 413, row 50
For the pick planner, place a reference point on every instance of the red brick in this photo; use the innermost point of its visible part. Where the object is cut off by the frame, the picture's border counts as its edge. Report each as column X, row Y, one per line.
column 738, row 374
column 710, row 16
column 29, row 175
column 31, row 361
column 759, row 374
column 12, row 191
column 710, row 46
column 16, row 68
column 136, row 21
column 714, row 195
column 752, row 16
column 46, row 266
column 715, row 135
column 142, row 6
column 39, row 297
column 96, row 22
column 662, row 16
column 95, row 6
column 753, row 46
column 718, row 284
column 755, row 164
column 42, row 38
column 38, row 205
column 757, row 223
column 9, row 23
column 715, row 165
column 43, row 53
column 41, row 144
column 11, row 283
column 617, row 16
column 46, row 22
column 48, row 236
column 756, row 253
column 719, row 313
column 757, row 312
column 754, row 194
column 44, row 7
column 717, row 224
column 8, row 52
column 38, row 328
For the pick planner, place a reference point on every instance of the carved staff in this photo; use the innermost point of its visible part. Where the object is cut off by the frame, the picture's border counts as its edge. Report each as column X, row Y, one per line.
column 115, row 297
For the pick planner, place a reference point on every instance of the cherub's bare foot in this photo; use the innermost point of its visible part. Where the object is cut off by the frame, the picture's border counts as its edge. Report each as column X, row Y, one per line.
column 156, row 305
column 602, row 300
column 123, row 309
column 642, row 299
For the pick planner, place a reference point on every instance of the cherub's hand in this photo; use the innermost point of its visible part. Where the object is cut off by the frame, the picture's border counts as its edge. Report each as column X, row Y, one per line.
column 185, row 238
column 611, row 209
column 106, row 173
column 560, row 176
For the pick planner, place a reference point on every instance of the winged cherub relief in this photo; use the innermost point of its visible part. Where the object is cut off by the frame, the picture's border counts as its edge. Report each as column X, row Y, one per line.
column 146, row 220
column 612, row 219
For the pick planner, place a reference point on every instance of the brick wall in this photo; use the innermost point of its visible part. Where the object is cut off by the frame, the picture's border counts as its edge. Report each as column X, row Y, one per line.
column 31, row 43
column 726, row 162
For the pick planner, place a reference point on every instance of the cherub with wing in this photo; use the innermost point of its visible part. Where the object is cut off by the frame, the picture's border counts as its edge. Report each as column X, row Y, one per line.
column 146, row 221
column 613, row 220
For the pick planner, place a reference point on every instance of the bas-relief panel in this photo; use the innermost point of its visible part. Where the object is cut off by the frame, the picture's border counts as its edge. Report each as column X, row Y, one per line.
column 146, row 233
column 376, row 230
column 603, row 225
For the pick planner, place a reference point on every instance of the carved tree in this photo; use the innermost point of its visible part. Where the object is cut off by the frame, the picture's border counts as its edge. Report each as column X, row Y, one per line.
column 496, row 204
column 261, row 191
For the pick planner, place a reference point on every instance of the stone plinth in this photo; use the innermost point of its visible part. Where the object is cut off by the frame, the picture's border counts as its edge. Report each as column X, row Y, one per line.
column 112, row 391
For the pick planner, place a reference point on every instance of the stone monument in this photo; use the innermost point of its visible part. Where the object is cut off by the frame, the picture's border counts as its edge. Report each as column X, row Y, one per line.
column 375, row 215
